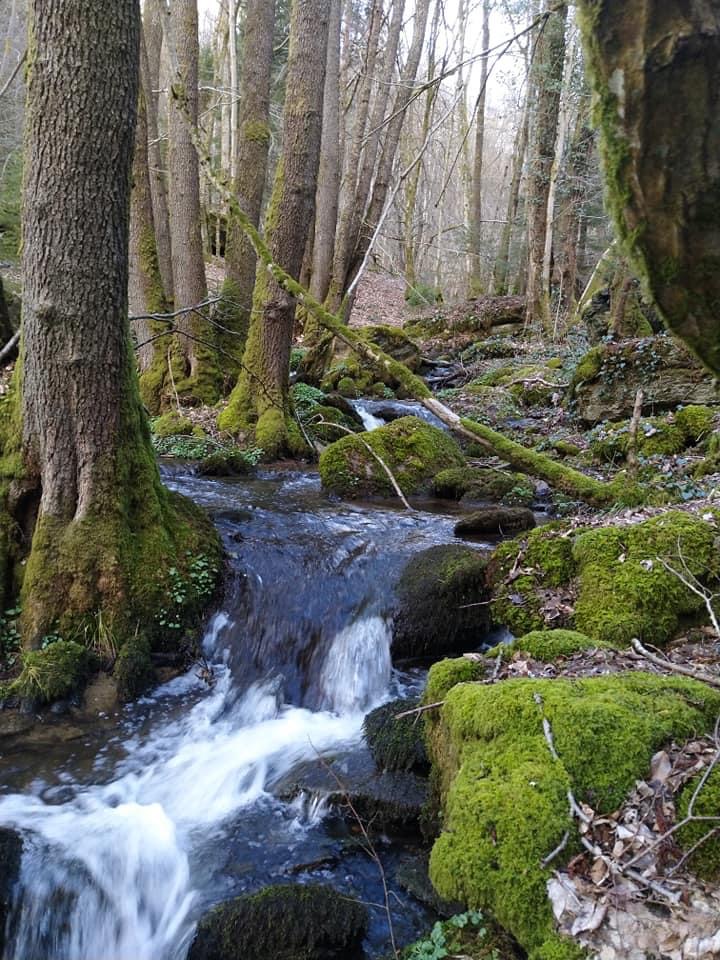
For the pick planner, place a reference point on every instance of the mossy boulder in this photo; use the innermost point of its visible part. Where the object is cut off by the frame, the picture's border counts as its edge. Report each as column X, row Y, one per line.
column 445, row 674
column 606, row 380
column 547, row 645
column 483, row 485
column 352, row 376
column 663, row 436
column 615, row 575
column 414, row 451
column 441, row 603
column 57, row 672
column 705, row 862
column 529, row 384
column 297, row 922
column 504, row 797
column 225, row 464
column 11, row 846
column 133, row 671
column 495, row 520
column 396, row 744
column 172, row 424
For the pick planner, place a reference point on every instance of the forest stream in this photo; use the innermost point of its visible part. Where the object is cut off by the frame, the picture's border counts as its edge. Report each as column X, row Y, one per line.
column 128, row 841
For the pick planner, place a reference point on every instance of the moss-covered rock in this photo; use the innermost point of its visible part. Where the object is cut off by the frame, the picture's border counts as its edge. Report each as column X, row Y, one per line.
column 468, row 935
column 172, row 424
column 547, row 645
column 11, row 846
column 445, row 674
column 295, row 922
column 606, row 380
column 396, row 744
column 483, row 485
column 58, row 671
column 505, row 798
column 705, row 862
column 616, row 575
column 352, row 376
column 663, row 436
column 414, row 451
column 495, row 520
column 441, row 603
column 225, row 464
column 133, row 672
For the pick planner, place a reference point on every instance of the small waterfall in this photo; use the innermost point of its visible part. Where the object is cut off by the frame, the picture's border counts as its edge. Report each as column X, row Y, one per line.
column 369, row 420
column 356, row 672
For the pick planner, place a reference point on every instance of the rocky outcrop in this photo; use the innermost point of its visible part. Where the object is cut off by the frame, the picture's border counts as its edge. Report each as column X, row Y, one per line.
column 607, row 379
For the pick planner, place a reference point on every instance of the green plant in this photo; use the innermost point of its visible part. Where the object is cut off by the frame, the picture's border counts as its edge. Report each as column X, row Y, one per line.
column 186, row 592
column 423, row 295
column 443, row 937
column 9, row 638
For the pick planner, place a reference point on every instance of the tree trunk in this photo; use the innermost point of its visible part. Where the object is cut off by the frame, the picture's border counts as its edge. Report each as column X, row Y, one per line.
column 655, row 71
column 259, row 402
column 546, row 80
column 327, row 197
column 85, row 487
column 253, row 145
column 502, row 263
column 145, row 289
column 198, row 376
column 157, row 179
column 581, row 151
column 476, row 223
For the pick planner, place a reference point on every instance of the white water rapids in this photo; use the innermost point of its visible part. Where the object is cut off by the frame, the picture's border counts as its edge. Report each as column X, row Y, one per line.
column 108, row 873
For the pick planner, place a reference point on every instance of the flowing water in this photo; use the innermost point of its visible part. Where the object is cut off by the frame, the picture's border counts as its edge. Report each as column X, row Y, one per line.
column 130, row 836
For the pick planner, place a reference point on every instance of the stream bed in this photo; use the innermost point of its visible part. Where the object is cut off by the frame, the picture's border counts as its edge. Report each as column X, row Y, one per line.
column 133, row 831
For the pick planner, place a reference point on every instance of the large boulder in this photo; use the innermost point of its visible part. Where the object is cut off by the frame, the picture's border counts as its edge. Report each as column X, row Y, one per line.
column 606, row 380
column 414, row 452
column 441, row 603
column 495, row 520
column 395, row 741
column 295, row 922
column 10, row 856
column 480, row 485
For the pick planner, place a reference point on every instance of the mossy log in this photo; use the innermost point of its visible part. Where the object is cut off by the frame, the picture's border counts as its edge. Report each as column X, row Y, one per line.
column 655, row 73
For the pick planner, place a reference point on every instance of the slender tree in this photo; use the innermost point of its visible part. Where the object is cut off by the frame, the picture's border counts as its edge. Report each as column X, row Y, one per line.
column 259, row 402
column 253, row 145
column 86, row 515
column 546, row 84
column 476, row 223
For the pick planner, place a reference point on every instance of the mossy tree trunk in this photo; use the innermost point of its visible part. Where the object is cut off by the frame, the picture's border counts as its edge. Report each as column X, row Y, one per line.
column 251, row 161
column 145, row 287
column 259, row 402
column 655, row 71
column 80, row 483
column 196, row 373
column 546, row 84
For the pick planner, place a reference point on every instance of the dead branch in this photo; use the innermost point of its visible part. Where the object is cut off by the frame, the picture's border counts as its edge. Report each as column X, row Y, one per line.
column 10, row 346
column 632, row 454
column 418, row 710
column 671, row 667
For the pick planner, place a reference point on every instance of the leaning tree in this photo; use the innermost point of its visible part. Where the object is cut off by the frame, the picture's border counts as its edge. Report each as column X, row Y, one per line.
column 88, row 530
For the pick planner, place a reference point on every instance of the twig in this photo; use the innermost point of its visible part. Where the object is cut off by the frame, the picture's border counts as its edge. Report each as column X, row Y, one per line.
column 632, row 454
column 693, row 584
column 16, row 71
column 556, row 852
column 418, row 710
column 674, row 667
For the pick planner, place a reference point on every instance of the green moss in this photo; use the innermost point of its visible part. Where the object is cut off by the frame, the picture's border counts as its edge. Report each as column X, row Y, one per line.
column 396, row 744
column 505, row 798
column 696, row 422
column 705, row 862
column 413, row 450
column 54, row 673
column 547, row 645
column 445, row 674
column 564, row 448
column 588, row 368
column 293, row 922
column 172, row 424
column 471, row 484
column 224, row 464
column 133, row 672
column 657, row 436
column 625, row 591
column 346, row 388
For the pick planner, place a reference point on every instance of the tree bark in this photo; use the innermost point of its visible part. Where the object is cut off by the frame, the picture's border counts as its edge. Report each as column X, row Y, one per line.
column 655, row 71
column 198, row 376
column 85, row 487
column 253, row 145
column 476, row 223
column 502, row 263
column 546, row 80
column 259, row 402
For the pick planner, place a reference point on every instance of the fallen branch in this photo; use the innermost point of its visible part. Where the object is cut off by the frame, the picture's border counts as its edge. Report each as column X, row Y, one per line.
column 632, row 454
column 671, row 667
column 417, row 710
column 10, row 346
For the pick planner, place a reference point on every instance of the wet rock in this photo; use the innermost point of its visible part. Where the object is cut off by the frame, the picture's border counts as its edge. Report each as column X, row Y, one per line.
column 293, row 922
column 441, row 603
column 607, row 379
column 413, row 876
column 390, row 801
column 11, row 846
column 494, row 520
column 396, row 744
column 486, row 485
column 224, row 465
